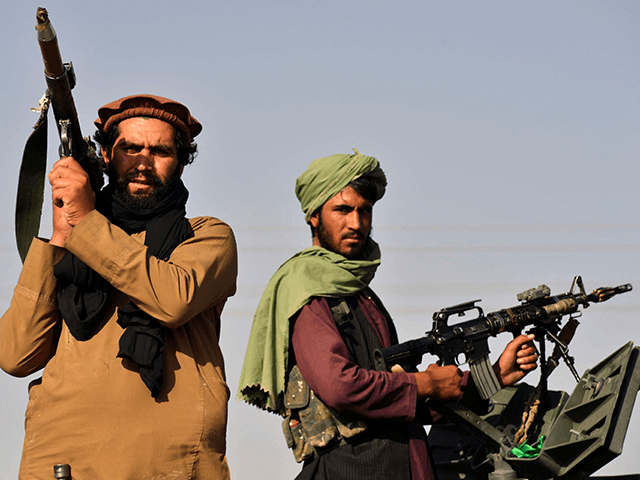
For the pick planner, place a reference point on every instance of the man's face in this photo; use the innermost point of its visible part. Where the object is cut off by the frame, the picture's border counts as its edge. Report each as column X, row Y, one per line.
column 144, row 159
column 343, row 223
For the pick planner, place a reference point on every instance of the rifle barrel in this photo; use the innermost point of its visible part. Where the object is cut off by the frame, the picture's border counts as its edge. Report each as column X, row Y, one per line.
column 60, row 81
column 48, row 41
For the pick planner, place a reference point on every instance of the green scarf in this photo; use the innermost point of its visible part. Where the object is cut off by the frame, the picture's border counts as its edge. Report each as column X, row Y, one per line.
column 314, row 272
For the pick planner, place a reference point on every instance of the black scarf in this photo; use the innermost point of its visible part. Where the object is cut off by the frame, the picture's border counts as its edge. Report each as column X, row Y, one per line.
column 83, row 294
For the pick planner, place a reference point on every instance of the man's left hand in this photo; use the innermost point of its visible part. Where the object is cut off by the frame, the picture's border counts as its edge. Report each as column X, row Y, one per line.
column 519, row 358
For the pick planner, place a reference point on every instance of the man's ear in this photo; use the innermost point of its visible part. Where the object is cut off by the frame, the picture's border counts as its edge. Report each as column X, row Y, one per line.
column 314, row 219
column 103, row 152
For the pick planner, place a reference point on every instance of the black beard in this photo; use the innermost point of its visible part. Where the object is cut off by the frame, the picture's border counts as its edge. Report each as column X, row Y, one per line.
column 160, row 191
column 325, row 242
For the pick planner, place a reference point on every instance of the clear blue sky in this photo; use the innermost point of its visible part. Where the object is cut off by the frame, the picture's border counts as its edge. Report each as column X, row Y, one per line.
column 509, row 131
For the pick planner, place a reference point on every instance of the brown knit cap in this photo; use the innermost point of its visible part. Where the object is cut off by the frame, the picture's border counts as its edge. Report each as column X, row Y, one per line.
column 149, row 106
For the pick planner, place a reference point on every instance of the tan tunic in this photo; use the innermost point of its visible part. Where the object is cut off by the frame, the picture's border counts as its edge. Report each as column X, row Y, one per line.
column 91, row 409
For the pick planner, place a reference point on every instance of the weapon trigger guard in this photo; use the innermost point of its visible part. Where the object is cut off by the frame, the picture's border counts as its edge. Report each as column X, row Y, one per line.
column 460, row 360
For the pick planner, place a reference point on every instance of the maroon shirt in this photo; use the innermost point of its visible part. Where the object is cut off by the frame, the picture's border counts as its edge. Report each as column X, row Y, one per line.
column 324, row 362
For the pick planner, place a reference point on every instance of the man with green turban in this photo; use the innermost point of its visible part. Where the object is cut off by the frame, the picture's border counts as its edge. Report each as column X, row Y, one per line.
column 310, row 351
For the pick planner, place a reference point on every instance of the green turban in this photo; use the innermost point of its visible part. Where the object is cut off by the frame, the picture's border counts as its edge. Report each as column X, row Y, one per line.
column 326, row 177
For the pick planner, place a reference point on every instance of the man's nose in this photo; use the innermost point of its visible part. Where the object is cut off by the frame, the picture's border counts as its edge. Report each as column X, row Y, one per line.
column 354, row 222
column 143, row 159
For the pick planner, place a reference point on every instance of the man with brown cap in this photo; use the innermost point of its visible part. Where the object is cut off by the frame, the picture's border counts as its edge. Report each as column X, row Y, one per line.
column 310, row 353
column 121, row 307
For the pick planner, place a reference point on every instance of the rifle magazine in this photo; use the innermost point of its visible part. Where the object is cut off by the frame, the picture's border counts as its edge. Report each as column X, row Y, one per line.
column 484, row 377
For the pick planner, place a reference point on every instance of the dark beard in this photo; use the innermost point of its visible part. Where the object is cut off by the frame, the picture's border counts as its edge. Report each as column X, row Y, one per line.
column 160, row 191
column 325, row 242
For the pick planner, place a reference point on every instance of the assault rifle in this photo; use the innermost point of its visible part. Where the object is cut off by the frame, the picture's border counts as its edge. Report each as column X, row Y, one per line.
column 539, row 310
column 60, row 79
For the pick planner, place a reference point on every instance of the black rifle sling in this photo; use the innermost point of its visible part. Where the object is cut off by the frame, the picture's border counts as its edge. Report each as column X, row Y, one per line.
column 31, row 180
column 356, row 331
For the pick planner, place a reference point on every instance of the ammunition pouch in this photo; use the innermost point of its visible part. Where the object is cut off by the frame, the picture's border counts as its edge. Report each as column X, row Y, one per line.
column 310, row 427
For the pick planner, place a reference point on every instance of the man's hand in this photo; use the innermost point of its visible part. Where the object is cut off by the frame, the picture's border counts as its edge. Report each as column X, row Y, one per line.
column 72, row 197
column 61, row 229
column 439, row 383
column 519, row 358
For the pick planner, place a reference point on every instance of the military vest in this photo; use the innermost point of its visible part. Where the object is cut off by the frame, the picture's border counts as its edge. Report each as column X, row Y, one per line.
column 310, row 427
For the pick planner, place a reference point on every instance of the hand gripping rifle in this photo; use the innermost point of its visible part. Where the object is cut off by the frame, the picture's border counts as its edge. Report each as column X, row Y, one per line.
column 60, row 79
column 539, row 310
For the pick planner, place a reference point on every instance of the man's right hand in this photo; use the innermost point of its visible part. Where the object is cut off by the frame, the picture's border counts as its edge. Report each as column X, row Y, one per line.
column 72, row 197
column 61, row 228
column 439, row 383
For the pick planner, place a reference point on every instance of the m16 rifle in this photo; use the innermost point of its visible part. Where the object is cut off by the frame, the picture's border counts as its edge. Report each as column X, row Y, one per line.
column 60, row 79
column 563, row 437
column 539, row 310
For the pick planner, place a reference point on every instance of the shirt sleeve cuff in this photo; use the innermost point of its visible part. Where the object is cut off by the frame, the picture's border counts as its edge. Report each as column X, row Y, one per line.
column 37, row 271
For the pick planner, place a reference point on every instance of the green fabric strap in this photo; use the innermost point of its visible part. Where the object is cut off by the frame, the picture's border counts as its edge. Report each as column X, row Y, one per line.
column 310, row 273
column 529, row 451
column 31, row 180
